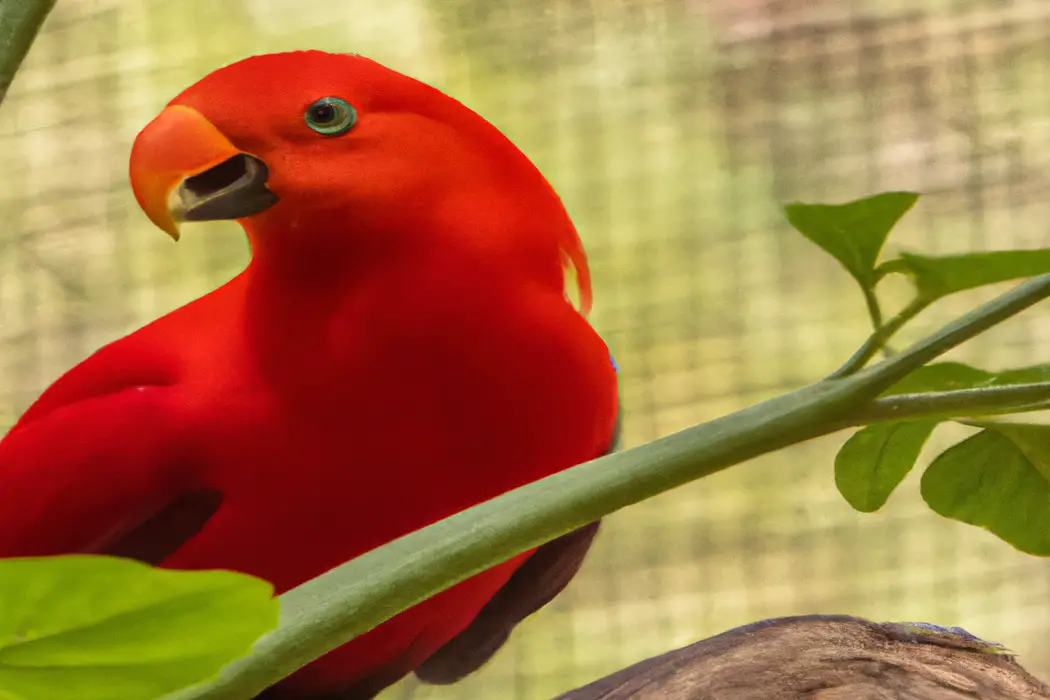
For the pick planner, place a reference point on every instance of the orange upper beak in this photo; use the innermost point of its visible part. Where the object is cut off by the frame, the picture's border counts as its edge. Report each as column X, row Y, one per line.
column 184, row 169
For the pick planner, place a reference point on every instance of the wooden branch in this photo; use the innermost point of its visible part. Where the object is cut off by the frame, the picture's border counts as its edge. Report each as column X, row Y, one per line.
column 825, row 657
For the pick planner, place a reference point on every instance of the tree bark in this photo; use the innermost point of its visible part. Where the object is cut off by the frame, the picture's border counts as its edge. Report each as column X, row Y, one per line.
column 825, row 657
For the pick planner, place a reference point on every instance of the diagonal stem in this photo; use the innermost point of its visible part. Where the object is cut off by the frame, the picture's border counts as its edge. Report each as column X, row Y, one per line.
column 20, row 20
column 964, row 328
column 877, row 341
column 961, row 403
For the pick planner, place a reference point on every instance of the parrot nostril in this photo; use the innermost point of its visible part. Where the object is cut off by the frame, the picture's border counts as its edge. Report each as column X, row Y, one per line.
column 219, row 177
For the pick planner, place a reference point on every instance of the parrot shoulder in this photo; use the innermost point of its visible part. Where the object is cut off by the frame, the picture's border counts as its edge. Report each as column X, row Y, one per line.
column 127, row 363
column 106, row 445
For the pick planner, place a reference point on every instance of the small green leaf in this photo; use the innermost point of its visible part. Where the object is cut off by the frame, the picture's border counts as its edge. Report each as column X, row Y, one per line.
column 952, row 376
column 103, row 628
column 988, row 481
column 852, row 233
column 939, row 276
column 874, row 461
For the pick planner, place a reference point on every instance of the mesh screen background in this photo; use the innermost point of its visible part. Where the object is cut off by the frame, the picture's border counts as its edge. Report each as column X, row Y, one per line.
column 672, row 130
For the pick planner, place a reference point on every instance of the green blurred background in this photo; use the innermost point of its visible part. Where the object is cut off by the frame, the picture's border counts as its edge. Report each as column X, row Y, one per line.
column 672, row 129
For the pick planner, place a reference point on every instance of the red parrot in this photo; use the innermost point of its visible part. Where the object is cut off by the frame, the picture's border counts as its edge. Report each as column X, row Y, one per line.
column 400, row 347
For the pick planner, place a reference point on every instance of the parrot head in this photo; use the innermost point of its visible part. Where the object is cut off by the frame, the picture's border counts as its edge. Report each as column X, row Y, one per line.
column 313, row 144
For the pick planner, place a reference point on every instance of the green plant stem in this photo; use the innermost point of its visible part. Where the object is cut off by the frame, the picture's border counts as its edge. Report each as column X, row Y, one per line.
column 20, row 20
column 877, row 341
column 874, row 309
column 960, row 330
column 962, row 403
column 352, row 599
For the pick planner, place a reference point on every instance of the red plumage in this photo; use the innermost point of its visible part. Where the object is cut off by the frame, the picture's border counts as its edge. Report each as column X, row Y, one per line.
column 399, row 348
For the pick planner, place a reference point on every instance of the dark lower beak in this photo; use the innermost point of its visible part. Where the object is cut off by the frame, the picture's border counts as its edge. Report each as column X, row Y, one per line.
column 233, row 189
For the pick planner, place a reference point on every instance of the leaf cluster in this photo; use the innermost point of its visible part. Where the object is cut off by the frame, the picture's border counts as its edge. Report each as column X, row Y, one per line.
column 999, row 477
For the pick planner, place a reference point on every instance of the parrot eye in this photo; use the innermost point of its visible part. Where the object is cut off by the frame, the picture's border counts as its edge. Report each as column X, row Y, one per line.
column 330, row 116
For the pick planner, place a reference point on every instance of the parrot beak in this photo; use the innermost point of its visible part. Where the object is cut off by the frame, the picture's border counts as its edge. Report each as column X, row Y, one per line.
column 184, row 169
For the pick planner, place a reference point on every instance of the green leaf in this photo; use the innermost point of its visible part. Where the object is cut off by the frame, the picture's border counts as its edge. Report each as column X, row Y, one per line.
column 952, row 376
column 941, row 376
column 988, row 481
column 103, row 628
column 939, row 276
column 1032, row 440
column 852, row 233
column 1021, row 375
column 874, row 461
